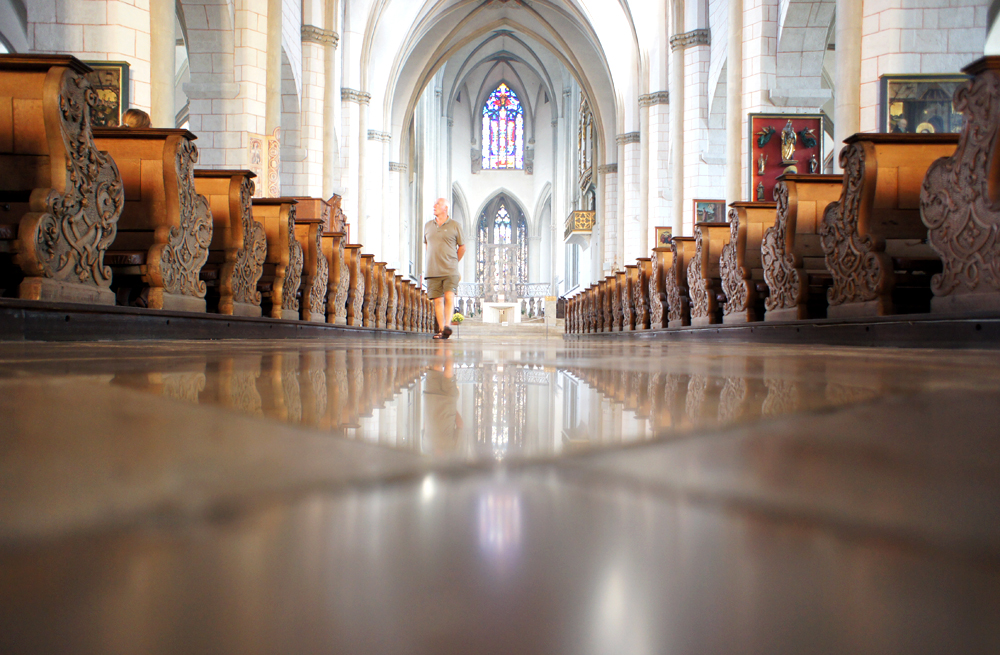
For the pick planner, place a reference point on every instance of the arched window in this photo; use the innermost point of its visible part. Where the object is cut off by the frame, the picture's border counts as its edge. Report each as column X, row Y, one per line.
column 497, row 227
column 503, row 130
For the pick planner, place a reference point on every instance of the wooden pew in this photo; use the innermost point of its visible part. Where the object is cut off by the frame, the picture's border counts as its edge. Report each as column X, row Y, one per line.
column 370, row 271
column 356, row 287
column 873, row 238
column 282, row 275
column 392, row 300
column 592, row 322
column 704, row 275
column 60, row 196
column 614, row 284
column 165, row 228
column 794, row 266
column 239, row 247
column 336, row 291
column 640, row 292
column 310, row 215
column 959, row 201
column 741, row 263
column 675, row 282
column 663, row 258
column 626, row 281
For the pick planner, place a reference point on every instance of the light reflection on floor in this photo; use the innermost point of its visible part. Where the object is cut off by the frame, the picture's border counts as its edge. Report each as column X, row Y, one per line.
column 479, row 400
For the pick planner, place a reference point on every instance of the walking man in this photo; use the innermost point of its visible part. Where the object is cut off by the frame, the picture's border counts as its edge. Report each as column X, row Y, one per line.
column 445, row 247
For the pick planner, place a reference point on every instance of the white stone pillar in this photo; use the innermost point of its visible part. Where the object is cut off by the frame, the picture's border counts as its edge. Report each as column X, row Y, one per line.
column 847, row 104
column 644, row 137
column 993, row 29
column 163, row 48
column 734, row 104
column 272, row 101
column 362, row 222
column 622, row 190
column 677, row 121
column 331, row 97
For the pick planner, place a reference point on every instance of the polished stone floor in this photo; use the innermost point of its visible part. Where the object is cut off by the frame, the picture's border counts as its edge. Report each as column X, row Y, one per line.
column 497, row 495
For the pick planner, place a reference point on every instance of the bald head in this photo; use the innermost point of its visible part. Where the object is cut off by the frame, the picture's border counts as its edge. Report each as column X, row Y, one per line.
column 441, row 209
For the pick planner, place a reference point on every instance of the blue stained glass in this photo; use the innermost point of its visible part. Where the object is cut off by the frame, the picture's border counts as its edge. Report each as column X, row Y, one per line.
column 503, row 130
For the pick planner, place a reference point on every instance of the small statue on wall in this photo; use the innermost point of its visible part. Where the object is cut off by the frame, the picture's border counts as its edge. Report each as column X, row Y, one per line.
column 813, row 165
column 761, row 163
column 760, row 192
column 764, row 136
column 788, row 138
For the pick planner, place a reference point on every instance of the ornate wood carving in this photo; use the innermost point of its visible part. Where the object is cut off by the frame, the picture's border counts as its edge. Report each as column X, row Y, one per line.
column 625, row 297
column 371, row 270
column 250, row 258
column 657, row 293
column 699, row 291
column 861, row 270
column 614, row 295
column 343, row 282
column 356, row 296
column 640, row 293
column 676, row 290
column 381, row 299
column 958, row 199
column 186, row 250
column 392, row 301
column 320, row 282
column 736, row 278
column 69, row 226
column 293, row 272
column 780, row 266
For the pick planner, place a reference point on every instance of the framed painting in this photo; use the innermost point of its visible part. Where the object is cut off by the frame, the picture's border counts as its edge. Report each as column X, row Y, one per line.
column 915, row 104
column 779, row 144
column 664, row 235
column 709, row 211
column 110, row 81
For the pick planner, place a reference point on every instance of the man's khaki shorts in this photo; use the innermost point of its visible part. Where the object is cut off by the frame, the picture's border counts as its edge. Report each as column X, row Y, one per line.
column 436, row 286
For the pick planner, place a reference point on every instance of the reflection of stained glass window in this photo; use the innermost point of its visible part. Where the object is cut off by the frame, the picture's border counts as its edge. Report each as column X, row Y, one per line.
column 503, row 130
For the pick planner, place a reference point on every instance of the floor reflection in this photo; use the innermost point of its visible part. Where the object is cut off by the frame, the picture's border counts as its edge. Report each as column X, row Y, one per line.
column 491, row 401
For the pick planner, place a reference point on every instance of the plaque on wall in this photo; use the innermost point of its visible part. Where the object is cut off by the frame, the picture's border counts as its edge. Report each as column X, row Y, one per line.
column 110, row 82
column 919, row 104
column 782, row 143
column 664, row 235
column 709, row 211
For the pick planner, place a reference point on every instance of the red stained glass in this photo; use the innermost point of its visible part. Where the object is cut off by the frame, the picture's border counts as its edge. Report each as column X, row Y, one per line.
column 503, row 124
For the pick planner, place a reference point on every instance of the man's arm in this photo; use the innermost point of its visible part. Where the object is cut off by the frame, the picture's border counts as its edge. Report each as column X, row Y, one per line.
column 461, row 251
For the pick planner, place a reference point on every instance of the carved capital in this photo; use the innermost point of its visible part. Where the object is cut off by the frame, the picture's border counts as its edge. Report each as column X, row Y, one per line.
column 657, row 98
column 608, row 168
column 692, row 38
column 353, row 95
column 398, row 167
column 627, row 138
column 313, row 34
column 375, row 135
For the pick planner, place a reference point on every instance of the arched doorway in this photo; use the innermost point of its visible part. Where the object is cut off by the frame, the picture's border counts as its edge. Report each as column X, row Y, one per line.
column 501, row 248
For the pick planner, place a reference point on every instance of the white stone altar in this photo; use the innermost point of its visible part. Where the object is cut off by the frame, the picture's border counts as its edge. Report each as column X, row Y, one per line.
column 502, row 312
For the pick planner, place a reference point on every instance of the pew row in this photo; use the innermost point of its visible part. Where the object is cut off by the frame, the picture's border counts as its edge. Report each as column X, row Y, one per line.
column 282, row 270
column 742, row 264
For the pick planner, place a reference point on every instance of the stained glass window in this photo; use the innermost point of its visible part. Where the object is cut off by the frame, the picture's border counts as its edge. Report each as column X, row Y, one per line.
column 503, row 130
column 502, row 229
column 502, row 225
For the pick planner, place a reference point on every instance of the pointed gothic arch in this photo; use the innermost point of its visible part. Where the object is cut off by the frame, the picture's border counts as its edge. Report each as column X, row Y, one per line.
column 502, row 222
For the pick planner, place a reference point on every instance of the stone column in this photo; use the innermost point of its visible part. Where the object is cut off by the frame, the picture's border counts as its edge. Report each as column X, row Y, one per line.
column 677, row 120
column 272, row 101
column 362, row 220
column 847, row 104
column 644, row 136
column 331, row 147
column 622, row 190
column 734, row 104
column 162, row 48
column 993, row 29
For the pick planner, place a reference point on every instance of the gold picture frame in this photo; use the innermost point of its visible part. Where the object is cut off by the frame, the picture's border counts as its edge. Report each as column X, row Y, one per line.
column 110, row 80
column 709, row 211
column 664, row 235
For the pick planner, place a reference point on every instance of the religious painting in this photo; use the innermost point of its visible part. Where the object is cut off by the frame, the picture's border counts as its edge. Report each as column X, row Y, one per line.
column 110, row 82
column 664, row 235
column 256, row 147
column 919, row 104
column 779, row 144
column 709, row 211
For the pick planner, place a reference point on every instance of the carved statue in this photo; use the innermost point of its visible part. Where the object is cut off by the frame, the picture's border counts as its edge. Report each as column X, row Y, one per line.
column 807, row 138
column 813, row 165
column 764, row 136
column 760, row 192
column 761, row 163
column 788, row 138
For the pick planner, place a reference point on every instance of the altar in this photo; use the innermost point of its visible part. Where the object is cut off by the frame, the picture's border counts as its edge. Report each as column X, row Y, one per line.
column 502, row 312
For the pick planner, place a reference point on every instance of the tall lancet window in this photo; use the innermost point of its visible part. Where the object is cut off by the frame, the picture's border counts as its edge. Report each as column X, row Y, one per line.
column 503, row 130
